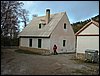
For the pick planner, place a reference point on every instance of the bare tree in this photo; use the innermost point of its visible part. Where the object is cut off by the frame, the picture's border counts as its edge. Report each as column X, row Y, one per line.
column 24, row 16
column 11, row 15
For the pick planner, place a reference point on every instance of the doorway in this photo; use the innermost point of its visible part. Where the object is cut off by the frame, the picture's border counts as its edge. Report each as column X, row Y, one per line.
column 39, row 43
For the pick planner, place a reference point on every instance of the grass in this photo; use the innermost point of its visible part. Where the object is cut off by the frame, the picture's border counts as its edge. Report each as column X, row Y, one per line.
column 83, row 72
column 26, row 52
column 86, row 71
column 79, row 61
column 36, row 52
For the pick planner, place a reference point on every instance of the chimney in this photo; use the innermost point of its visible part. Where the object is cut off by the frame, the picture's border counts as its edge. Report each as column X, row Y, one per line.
column 47, row 16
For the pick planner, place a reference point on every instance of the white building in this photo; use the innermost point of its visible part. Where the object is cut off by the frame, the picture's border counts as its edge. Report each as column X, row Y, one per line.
column 45, row 31
column 88, row 37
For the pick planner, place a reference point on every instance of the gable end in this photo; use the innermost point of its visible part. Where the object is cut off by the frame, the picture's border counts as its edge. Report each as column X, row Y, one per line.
column 85, row 26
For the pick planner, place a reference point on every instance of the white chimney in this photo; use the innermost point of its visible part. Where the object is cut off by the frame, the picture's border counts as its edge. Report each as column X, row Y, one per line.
column 47, row 16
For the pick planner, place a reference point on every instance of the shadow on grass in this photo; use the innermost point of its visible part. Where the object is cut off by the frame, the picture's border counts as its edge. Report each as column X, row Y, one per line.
column 26, row 52
column 80, row 61
column 81, row 72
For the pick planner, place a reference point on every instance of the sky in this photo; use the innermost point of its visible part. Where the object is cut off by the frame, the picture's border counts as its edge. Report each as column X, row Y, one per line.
column 75, row 10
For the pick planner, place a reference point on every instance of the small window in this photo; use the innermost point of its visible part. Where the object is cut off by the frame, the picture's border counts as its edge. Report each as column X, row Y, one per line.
column 39, row 26
column 64, row 41
column 64, row 25
column 30, row 42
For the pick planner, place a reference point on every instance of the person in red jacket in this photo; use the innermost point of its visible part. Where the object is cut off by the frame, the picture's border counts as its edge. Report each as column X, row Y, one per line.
column 55, row 48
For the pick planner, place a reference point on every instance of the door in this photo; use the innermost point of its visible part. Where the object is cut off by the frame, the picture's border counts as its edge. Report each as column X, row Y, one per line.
column 30, row 42
column 64, row 45
column 39, row 43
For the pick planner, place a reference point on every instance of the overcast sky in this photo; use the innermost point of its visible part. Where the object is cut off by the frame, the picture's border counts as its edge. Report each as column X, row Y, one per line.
column 75, row 10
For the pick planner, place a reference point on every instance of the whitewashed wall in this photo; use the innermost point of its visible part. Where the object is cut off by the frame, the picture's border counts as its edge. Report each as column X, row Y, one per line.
column 69, row 46
column 91, row 29
column 24, row 42
column 60, row 34
column 87, row 42
column 57, row 36
column 45, row 44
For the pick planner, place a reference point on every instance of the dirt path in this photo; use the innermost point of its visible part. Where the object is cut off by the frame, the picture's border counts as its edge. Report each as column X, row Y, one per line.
column 13, row 63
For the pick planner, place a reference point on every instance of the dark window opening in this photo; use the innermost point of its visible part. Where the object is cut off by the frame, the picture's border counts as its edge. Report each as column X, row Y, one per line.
column 30, row 42
column 64, row 41
column 64, row 25
column 39, row 43
column 39, row 26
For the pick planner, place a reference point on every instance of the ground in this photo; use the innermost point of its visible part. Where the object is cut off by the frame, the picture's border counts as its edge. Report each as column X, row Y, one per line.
column 14, row 63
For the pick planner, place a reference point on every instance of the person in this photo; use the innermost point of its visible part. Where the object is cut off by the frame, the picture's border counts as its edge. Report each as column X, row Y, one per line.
column 55, row 48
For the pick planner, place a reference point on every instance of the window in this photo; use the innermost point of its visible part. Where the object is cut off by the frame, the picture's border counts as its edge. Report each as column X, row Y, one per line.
column 64, row 25
column 30, row 42
column 64, row 41
column 39, row 26
column 39, row 43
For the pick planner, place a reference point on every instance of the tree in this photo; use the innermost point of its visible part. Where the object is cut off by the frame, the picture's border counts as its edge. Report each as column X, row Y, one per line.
column 11, row 13
column 9, row 17
column 24, row 16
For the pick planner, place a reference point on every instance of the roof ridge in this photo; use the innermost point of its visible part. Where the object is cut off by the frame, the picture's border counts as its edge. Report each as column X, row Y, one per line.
column 50, row 14
column 94, row 22
column 32, row 27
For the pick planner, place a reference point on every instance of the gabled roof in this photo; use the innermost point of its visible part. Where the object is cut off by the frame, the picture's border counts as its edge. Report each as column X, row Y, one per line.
column 85, row 26
column 32, row 28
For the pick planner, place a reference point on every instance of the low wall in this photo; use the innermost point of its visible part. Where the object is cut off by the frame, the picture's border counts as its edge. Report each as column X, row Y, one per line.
column 36, row 50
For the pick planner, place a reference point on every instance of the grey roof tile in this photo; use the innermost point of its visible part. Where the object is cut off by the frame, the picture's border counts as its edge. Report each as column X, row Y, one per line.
column 32, row 28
